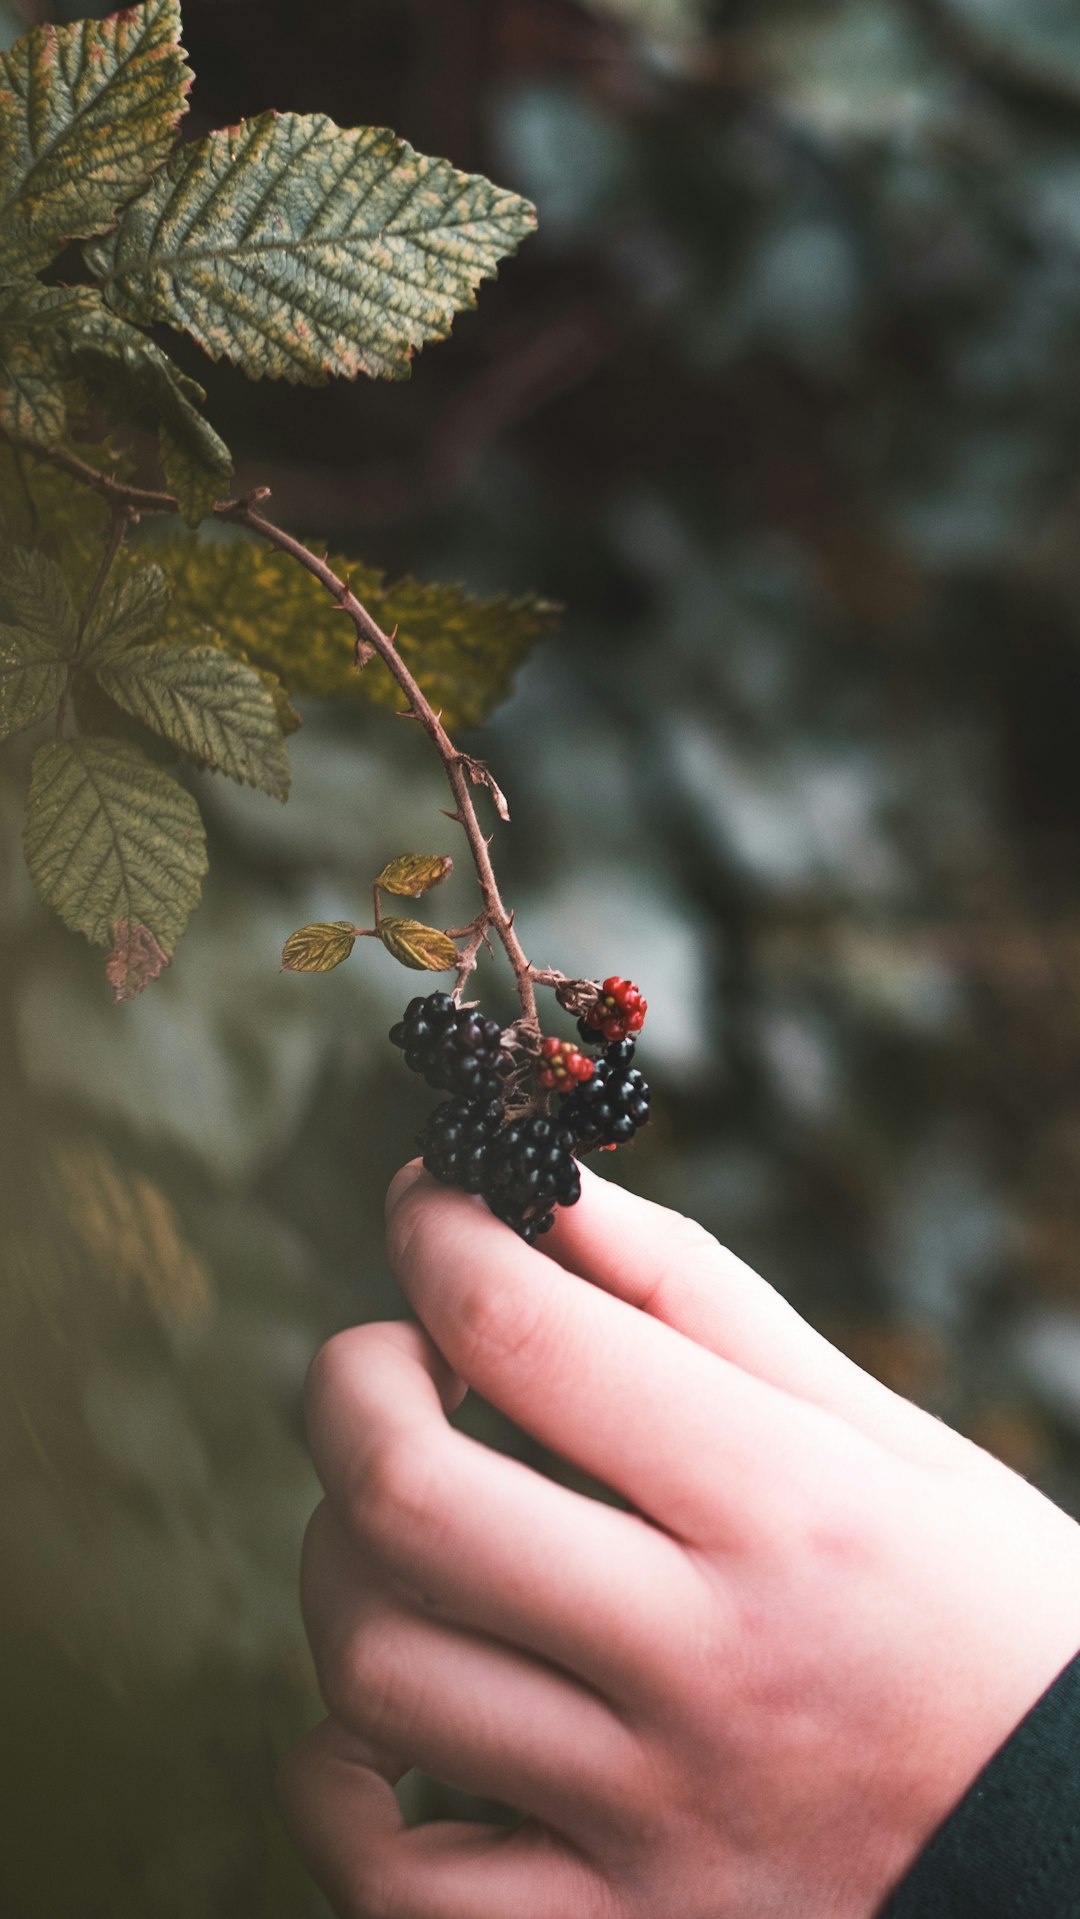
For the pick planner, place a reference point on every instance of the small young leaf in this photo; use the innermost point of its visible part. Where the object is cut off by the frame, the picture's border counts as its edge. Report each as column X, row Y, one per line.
column 318, row 948
column 109, row 837
column 86, row 114
column 36, row 647
column 462, row 650
column 215, row 710
column 414, row 873
column 300, row 249
column 135, row 960
column 422, row 947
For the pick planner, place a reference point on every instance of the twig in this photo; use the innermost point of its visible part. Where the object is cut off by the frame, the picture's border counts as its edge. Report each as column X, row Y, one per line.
column 462, row 771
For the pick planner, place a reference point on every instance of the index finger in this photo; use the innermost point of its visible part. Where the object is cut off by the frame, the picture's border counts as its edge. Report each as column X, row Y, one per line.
column 685, row 1435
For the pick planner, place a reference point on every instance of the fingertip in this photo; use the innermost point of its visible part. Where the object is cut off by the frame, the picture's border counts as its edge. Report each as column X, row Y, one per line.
column 400, row 1184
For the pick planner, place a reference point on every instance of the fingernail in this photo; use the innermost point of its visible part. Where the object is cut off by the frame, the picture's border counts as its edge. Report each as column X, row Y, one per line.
column 401, row 1183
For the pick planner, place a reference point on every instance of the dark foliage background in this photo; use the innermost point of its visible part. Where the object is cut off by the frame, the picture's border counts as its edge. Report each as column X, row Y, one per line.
column 783, row 404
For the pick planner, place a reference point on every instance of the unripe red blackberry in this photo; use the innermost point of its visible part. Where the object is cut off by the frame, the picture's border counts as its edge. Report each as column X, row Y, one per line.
column 455, row 1048
column 616, row 1013
column 529, row 1170
column 562, row 1066
column 457, row 1138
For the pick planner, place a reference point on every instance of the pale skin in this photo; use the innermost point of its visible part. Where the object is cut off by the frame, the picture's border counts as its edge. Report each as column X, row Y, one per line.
column 755, row 1695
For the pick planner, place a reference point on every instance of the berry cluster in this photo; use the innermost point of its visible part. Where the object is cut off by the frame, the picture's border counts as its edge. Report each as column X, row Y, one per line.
column 562, row 1066
column 608, row 1108
column 453, row 1047
column 617, row 1013
column 524, row 1165
column 530, row 1170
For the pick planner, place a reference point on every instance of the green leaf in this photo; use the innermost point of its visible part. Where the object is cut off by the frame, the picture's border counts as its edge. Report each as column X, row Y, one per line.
column 300, row 249
column 414, row 873
column 215, row 710
column 462, row 650
column 36, row 647
column 422, row 947
column 318, row 948
column 129, row 609
column 86, row 114
column 110, row 838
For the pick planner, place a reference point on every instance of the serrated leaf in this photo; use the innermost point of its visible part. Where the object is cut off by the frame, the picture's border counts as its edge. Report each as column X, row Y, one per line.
column 318, row 948
column 86, row 114
column 414, row 873
column 110, row 837
column 422, row 947
column 36, row 646
column 462, row 650
column 300, row 249
column 216, row 711
column 129, row 608
column 34, row 380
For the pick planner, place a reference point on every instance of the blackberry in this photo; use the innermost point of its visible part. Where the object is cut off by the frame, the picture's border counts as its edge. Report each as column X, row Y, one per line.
column 607, row 1109
column 457, row 1139
column 453, row 1047
column 529, row 1170
column 621, row 1051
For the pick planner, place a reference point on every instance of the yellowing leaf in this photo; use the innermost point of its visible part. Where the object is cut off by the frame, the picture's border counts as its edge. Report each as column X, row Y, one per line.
column 300, row 249
column 422, row 947
column 36, row 647
column 463, row 650
column 108, row 837
column 414, row 873
column 86, row 114
column 318, row 948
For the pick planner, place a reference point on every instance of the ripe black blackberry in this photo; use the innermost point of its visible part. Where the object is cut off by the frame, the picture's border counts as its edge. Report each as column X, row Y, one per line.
column 607, row 1109
column 454, row 1047
column 457, row 1138
column 529, row 1170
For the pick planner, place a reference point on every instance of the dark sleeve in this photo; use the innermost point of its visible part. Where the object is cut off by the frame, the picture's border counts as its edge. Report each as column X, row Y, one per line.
column 1011, row 1848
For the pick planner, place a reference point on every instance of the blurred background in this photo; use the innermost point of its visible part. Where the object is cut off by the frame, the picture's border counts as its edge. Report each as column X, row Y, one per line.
column 783, row 403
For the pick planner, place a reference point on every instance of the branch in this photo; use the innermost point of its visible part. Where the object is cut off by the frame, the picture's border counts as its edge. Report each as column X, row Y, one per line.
column 462, row 771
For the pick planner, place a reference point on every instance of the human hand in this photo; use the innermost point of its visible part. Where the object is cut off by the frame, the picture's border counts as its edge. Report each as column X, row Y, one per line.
column 754, row 1696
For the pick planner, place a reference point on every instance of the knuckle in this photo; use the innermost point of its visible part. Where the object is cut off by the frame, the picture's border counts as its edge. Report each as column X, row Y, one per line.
column 395, row 1494
column 365, row 1684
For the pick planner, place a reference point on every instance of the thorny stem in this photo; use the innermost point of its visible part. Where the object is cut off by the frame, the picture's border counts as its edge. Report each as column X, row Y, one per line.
column 462, row 771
